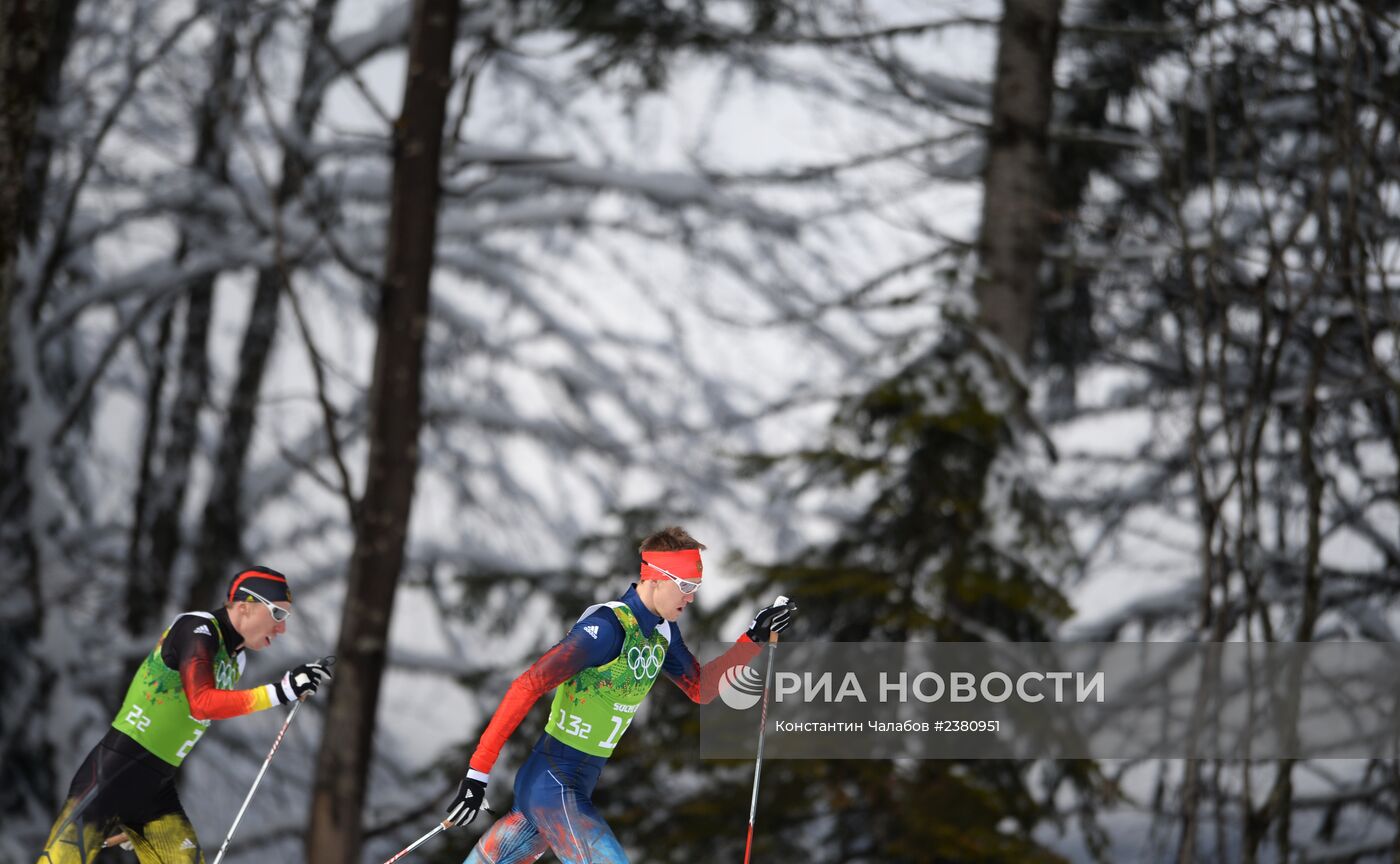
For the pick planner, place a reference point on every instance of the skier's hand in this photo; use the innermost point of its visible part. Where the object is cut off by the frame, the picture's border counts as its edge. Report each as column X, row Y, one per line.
column 301, row 682
column 471, row 795
column 772, row 619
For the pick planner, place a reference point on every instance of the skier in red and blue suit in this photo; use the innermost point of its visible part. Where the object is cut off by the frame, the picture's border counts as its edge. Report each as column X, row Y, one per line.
column 602, row 669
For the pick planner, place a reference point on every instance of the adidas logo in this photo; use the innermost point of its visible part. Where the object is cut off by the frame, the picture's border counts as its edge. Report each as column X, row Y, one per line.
column 203, row 628
column 188, row 844
column 591, row 630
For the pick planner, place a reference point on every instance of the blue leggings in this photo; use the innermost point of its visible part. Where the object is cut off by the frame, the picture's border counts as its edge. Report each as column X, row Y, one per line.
column 553, row 812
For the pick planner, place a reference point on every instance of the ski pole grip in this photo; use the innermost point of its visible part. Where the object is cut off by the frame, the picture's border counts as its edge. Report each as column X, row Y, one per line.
column 773, row 635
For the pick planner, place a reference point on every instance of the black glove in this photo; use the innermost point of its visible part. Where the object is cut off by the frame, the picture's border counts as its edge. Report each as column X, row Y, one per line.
column 301, row 682
column 471, row 795
column 772, row 619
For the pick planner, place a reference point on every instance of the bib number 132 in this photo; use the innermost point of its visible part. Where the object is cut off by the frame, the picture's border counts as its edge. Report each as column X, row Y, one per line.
column 575, row 725
column 572, row 724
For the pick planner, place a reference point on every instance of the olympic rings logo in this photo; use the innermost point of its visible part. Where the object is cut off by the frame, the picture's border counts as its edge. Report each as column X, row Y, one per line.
column 645, row 661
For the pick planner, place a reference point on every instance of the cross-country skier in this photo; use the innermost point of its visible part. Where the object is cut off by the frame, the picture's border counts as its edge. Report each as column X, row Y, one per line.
column 127, row 782
column 603, row 669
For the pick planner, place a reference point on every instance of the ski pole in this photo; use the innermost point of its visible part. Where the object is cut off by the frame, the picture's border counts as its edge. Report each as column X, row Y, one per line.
column 325, row 661
column 762, row 726
column 441, row 826
column 99, row 783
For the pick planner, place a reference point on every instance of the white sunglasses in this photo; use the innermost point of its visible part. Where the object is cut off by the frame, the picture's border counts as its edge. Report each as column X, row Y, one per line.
column 687, row 586
column 278, row 613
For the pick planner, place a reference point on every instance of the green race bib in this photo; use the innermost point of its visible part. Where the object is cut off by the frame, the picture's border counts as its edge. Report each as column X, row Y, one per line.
column 156, row 712
column 592, row 709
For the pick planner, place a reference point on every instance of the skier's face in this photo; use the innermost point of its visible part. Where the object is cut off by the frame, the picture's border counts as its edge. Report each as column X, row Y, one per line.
column 259, row 628
column 670, row 601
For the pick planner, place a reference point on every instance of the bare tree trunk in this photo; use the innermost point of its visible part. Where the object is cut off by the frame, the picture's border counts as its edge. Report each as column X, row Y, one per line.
column 1016, row 198
column 150, row 440
column 335, row 833
column 36, row 171
column 149, row 581
column 26, row 60
column 34, row 40
column 220, row 536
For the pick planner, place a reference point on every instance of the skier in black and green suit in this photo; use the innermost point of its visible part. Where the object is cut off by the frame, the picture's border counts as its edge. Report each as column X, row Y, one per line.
column 127, row 783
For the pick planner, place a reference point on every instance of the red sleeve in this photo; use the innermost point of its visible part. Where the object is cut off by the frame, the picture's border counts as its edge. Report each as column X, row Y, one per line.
column 558, row 665
column 207, row 701
column 701, row 683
